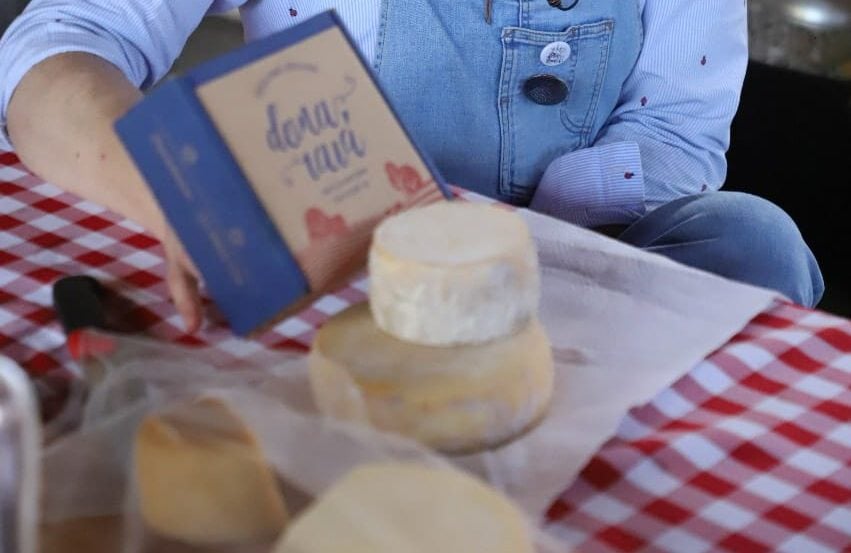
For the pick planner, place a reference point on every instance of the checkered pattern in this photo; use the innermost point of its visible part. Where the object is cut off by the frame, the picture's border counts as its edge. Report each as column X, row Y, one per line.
column 46, row 234
column 751, row 451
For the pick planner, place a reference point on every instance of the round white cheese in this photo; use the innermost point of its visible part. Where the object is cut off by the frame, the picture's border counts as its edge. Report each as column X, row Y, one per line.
column 398, row 507
column 454, row 399
column 453, row 273
column 202, row 478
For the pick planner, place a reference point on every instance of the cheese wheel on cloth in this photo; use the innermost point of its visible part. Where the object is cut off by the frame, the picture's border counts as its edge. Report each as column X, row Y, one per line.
column 202, row 477
column 398, row 507
column 454, row 399
column 453, row 273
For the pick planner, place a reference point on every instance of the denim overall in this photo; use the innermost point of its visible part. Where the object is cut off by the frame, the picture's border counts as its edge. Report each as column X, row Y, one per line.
column 451, row 62
column 458, row 73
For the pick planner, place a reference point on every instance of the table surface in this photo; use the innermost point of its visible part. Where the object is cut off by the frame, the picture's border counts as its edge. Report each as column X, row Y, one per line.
column 749, row 451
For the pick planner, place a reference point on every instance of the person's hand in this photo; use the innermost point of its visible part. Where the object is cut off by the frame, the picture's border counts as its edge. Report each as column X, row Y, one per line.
column 182, row 278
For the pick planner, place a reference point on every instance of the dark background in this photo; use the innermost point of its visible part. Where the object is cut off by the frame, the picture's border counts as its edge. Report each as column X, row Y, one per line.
column 791, row 144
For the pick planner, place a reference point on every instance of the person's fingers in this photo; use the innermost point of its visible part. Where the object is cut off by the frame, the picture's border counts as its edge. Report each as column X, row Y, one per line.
column 189, row 266
column 183, row 287
column 183, row 280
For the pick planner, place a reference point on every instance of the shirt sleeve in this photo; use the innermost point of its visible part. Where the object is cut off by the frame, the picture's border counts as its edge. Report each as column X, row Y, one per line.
column 142, row 38
column 669, row 134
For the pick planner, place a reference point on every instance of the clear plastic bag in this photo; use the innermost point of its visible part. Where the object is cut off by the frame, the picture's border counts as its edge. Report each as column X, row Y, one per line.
column 90, row 503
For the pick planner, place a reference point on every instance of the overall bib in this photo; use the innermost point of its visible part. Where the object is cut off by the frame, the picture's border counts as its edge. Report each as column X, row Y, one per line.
column 484, row 98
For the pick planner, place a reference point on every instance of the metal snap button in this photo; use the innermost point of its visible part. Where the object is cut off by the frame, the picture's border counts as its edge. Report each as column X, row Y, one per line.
column 546, row 90
column 558, row 4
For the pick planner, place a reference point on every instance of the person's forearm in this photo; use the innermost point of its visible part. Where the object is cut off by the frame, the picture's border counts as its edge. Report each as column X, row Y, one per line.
column 60, row 120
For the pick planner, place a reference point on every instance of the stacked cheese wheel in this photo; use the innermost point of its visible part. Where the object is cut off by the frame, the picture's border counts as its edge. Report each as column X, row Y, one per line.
column 449, row 350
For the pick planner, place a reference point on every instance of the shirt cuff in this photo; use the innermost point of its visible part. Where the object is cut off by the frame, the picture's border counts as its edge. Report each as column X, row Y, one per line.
column 18, row 59
column 601, row 185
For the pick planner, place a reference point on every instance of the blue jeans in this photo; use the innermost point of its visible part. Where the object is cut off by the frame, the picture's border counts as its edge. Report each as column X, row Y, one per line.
column 735, row 235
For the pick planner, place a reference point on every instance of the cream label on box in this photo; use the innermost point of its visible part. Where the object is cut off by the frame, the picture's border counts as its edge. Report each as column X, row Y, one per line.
column 321, row 149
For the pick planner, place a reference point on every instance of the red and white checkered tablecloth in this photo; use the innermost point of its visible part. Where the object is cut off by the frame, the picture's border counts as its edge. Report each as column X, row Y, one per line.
column 750, row 451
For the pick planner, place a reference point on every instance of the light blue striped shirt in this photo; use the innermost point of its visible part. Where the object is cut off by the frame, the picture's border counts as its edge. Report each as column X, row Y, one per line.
column 667, row 137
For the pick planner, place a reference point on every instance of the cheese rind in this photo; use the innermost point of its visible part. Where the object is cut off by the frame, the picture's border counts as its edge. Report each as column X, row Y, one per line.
column 453, row 273
column 202, row 478
column 395, row 507
column 454, row 399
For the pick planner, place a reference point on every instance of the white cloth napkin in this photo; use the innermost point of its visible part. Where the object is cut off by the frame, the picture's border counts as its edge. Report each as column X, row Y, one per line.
column 624, row 324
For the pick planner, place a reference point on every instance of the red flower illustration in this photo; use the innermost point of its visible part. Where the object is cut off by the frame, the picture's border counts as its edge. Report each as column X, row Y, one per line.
column 405, row 178
column 320, row 225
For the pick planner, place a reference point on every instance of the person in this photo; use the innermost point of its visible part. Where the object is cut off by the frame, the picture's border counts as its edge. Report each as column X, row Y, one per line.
column 610, row 114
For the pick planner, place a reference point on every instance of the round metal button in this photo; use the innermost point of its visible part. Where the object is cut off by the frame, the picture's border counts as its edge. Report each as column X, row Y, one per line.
column 558, row 4
column 546, row 90
column 555, row 53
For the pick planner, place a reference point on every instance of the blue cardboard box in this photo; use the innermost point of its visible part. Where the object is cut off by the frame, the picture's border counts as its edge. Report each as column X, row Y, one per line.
column 273, row 164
